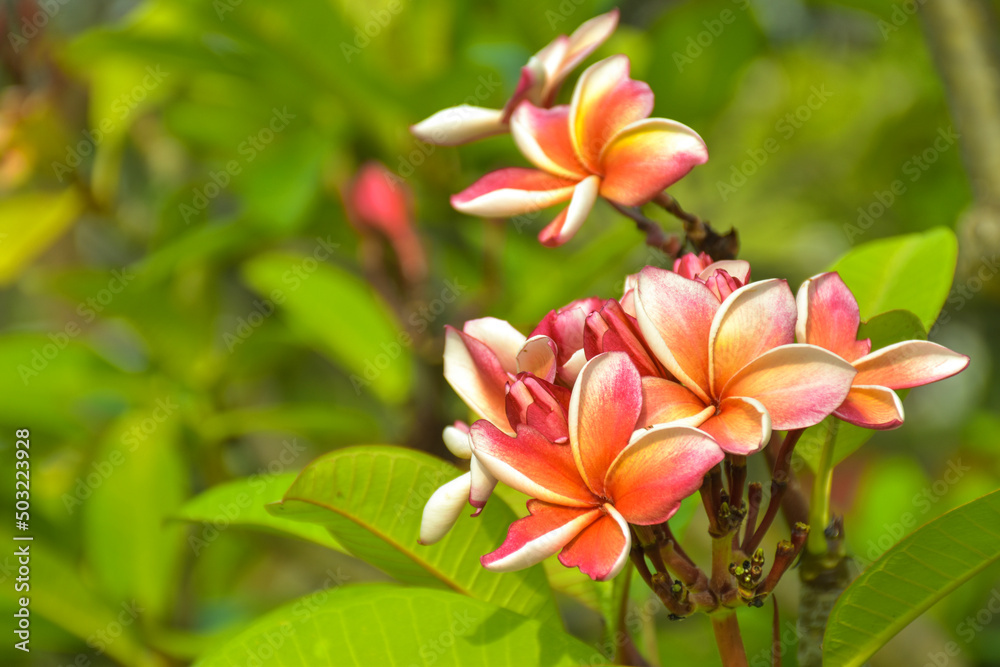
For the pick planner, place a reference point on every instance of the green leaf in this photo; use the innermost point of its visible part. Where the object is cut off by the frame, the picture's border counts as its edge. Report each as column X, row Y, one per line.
column 241, row 503
column 137, row 479
column 909, row 578
column 341, row 315
column 29, row 223
column 371, row 498
column 911, row 272
column 382, row 624
column 337, row 422
column 886, row 329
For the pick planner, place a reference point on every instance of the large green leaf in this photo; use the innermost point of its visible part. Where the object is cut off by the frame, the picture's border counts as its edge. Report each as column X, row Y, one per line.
column 381, row 624
column 340, row 314
column 909, row 578
column 29, row 223
column 911, row 272
column 371, row 498
column 886, row 329
column 137, row 480
column 241, row 503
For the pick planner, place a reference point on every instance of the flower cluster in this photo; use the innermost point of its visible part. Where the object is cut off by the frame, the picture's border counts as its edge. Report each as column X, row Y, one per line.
column 602, row 144
column 611, row 412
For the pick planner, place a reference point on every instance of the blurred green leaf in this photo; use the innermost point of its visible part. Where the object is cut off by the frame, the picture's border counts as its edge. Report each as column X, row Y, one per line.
column 337, row 422
column 911, row 272
column 29, row 223
column 886, row 329
column 340, row 314
column 241, row 503
column 372, row 498
column 388, row 625
column 909, row 578
column 138, row 479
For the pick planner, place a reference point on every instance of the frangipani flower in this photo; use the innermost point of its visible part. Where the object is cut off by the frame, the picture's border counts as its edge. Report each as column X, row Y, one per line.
column 829, row 317
column 540, row 81
column 479, row 363
column 375, row 202
column 738, row 373
column 602, row 144
column 585, row 495
column 723, row 278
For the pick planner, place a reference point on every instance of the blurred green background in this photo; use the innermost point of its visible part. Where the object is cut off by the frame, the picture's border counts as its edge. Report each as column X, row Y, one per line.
column 168, row 324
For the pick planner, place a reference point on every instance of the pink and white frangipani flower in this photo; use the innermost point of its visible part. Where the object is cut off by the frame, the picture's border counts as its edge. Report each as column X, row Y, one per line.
column 479, row 362
column 602, row 144
column 539, row 83
column 584, row 496
column 738, row 373
column 564, row 326
column 829, row 317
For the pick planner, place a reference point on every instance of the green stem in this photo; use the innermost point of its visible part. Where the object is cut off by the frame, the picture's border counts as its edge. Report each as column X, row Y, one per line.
column 621, row 654
column 727, row 636
column 819, row 508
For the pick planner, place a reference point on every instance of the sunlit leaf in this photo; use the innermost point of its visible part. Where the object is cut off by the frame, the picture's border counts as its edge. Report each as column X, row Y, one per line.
column 29, row 223
column 389, row 625
column 908, row 579
column 372, row 498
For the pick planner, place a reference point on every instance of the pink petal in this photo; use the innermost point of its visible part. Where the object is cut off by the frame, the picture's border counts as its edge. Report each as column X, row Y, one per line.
column 543, row 137
column 584, row 41
column 571, row 369
column 541, row 405
column 476, row 375
column 742, row 426
column 530, row 86
column 650, row 478
column 531, row 464
column 601, row 549
column 550, row 58
column 459, row 125
column 483, row 483
column 512, row 191
column 664, row 401
column 871, row 407
column 612, row 330
column 799, row 385
column 828, row 316
column 691, row 266
column 675, row 316
column 500, row 337
column 603, row 410
column 911, row 363
column 539, row 535
column 646, row 157
column 605, row 101
column 737, row 268
column 538, row 357
column 443, row 509
column 568, row 222
column 754, row 319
